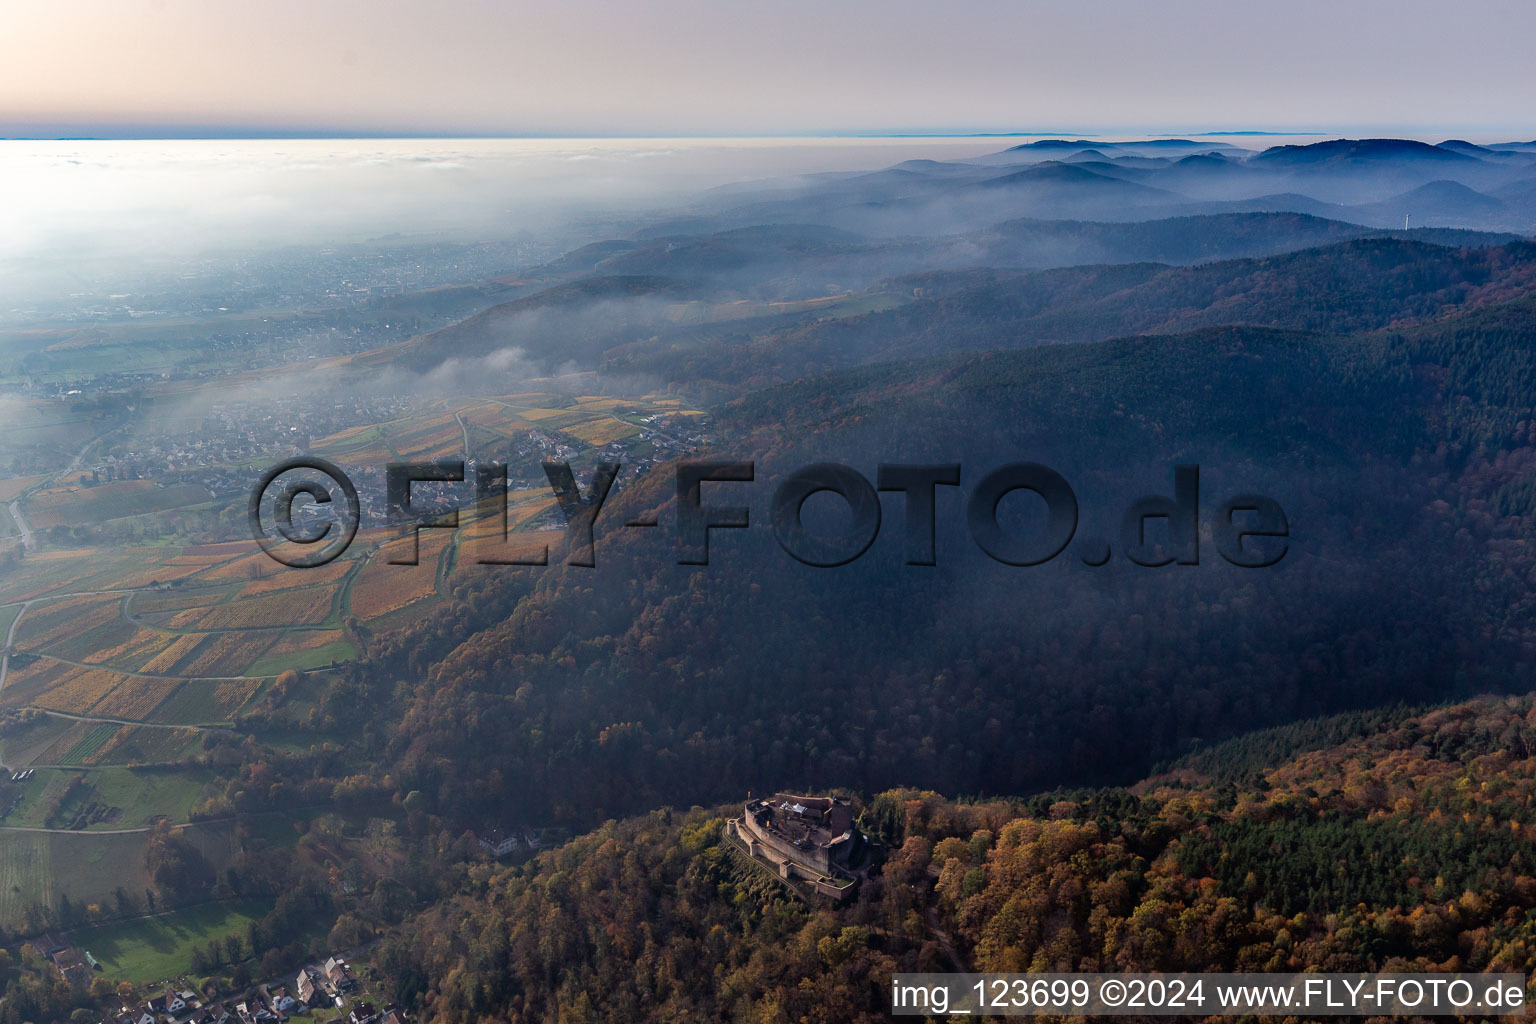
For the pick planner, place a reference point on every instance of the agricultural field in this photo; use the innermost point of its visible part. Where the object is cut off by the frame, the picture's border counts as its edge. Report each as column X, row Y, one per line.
column 13, row 488
column 103, row 643
column 50, row 572
column 45, row 624
column 222, row 551
column 147, row 605
column 584, row 421
column 292, row 579
column 46, row 423
column 207, row 701
column 23, row 742
column 38, row 867
column 76, row 735
column 89, row 745
column 270, row 611
column 146, row 745
column 120, row 644
column 357, row 445
column 122, row 655
column 127, row 654
column 431, row 437
column 75, row 505
column 75, row 689
column 76, row 570
column 302, row 650
column 58, row 686
column 178, row 651
column 250, row 564
column 603, row 430
column 88, row 867
column 482, row 537
column 350, row 440
column 588, row 420
column 87, row 797
column 143, row 575
column 59, row 741
column 151, row 948
column 229, row 654
column 141, row 796
column 105, row 693
column 135, row 699
column 382, row 588
column 539, row 415
column 7, row 616
column 147, row 621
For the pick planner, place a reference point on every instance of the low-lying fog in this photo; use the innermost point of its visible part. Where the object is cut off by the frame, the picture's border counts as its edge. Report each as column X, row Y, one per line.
column 92, row 219
column 82, row 212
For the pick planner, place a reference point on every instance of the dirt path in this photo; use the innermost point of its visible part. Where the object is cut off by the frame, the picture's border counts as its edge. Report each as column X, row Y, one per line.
column 464, row 431
column 148, row 675
column 935, row 927
column 130, row 831
column 125, row 721
column 81, row 831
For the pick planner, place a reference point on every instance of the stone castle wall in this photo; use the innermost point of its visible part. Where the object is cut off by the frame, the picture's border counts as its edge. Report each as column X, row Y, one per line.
column 815, row 858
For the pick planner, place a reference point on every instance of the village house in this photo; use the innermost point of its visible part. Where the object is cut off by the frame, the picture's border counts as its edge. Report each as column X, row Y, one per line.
column 306, row 987
column 499, row 843
column 340, row 974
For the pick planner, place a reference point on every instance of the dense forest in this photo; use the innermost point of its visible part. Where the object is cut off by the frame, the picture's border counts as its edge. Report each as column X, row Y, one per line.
column 1399, row 453
column 1236, row 858
column 1349, row 286
column 622, row 313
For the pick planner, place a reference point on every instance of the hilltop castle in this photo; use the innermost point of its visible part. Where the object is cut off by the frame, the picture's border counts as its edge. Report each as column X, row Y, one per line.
column 812, row 838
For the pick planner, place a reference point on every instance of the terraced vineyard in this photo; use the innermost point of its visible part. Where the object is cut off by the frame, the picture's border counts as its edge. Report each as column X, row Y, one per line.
column 201, row 701
column 130, row 661
column 89, row 744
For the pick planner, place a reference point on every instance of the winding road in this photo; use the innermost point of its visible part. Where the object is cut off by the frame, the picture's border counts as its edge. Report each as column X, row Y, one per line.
column 464, row 431
column 15, row 506
column 10, row 636
column 21, row 523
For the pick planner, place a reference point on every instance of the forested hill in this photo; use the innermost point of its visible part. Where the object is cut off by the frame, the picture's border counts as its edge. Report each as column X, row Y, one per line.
column 737, row 311
column 1351, row 286
column 1408, row 846
column 1401, row 459
column 804, row 260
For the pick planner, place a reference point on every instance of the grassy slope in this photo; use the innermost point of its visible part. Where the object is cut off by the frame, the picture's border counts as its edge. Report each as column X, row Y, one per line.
column 150, row 948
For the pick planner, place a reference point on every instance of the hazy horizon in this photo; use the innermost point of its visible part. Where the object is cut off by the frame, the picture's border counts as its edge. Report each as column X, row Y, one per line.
column 91, row 203
column 299, row 133
column 211, row 133
column 583, row 69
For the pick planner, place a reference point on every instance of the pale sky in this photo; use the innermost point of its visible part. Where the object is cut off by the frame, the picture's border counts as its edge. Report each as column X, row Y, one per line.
column 709, row 67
